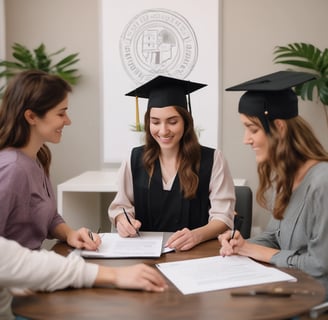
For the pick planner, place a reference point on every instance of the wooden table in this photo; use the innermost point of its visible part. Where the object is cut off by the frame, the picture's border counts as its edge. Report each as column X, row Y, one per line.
column 106, row 303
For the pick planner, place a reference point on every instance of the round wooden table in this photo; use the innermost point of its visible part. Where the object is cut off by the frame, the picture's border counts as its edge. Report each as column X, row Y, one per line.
column 108, row 303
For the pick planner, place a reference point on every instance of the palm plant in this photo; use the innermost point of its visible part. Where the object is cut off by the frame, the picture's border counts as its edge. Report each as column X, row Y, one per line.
column 26, row 59
column 307, row 56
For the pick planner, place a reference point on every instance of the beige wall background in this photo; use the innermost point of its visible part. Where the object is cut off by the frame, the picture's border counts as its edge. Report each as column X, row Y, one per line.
column 250, row 30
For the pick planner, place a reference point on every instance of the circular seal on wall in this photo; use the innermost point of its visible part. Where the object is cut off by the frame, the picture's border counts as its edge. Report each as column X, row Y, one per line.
column 158, row 41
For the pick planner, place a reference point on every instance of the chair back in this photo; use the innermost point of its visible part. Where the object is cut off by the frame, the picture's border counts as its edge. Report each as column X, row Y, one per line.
column 244, row 208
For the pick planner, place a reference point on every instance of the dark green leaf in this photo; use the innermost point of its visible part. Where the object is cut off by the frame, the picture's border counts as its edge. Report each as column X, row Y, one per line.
column 25, row 59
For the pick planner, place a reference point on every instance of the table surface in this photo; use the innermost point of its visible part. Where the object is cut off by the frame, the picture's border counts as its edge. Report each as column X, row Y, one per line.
column 108, row 303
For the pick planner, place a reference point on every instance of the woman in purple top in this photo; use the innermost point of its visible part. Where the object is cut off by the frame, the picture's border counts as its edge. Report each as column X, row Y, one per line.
column 33, row 112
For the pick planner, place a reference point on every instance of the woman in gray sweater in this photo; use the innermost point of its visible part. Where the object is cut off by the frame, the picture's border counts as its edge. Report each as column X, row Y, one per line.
column 293, row 178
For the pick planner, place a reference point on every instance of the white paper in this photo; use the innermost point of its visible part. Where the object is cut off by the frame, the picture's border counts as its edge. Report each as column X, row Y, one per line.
column 216, row 273
column 149, row 244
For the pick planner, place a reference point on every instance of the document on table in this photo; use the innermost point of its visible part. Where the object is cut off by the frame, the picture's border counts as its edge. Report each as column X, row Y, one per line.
column 216, row 273
column 148, row 245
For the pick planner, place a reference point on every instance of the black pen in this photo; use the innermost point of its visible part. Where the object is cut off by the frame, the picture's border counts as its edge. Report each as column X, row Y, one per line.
column 127, row 217
column 237, row 222
column 253, row 293
column 90, row 235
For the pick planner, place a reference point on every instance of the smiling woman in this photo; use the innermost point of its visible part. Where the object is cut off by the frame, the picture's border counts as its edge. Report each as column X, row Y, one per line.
column 172, row 183
column 33, row 113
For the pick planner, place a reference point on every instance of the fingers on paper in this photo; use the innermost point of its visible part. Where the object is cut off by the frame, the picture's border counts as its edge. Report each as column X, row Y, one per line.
column 180, row 240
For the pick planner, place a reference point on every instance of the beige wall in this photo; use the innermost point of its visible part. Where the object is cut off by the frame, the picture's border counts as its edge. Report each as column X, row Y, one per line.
column 250, row 31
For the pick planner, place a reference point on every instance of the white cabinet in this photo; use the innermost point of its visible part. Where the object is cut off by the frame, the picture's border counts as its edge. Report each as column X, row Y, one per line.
column 79, row 198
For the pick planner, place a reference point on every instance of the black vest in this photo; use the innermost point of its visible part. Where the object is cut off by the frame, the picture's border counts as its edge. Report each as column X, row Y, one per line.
column 162, row 210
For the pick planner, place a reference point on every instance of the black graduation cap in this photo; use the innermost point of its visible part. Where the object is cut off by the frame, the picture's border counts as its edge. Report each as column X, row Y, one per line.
column 164, row 91
column 271, row 96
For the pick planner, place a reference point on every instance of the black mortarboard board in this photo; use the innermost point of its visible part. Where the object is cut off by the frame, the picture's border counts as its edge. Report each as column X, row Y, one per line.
column 164, row 91
column 271, row 96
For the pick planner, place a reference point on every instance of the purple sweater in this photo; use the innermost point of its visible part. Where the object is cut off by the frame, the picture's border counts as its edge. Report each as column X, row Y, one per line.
column 28, row 211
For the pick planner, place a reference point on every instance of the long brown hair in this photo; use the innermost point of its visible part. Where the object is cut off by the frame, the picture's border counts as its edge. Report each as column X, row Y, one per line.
column 286, row 155
column 189, row 154
column 35, row 90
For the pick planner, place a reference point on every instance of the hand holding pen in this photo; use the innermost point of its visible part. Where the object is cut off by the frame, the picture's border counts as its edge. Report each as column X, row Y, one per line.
column 81, row 239
column 231, row 240
column 122, row 233
column 90, row 233
column 95, row 237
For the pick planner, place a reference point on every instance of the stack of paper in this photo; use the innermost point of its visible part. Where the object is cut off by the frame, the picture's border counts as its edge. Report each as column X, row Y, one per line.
column 148, row 245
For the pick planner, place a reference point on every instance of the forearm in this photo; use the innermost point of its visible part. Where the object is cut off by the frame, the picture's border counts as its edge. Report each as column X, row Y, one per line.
column 210, row 231
column 61, row 231
column 42, row 270
column 257, row 252
column 105, row 277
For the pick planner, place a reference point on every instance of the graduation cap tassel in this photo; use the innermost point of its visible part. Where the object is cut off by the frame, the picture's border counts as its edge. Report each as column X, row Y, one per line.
column 189, row 104
column 138, row 127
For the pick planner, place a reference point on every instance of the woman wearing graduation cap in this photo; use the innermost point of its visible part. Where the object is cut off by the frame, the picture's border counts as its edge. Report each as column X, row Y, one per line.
column 172, row 183
column 293, row 178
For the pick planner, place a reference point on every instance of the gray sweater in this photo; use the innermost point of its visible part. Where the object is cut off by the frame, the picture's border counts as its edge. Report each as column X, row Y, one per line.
column 302, row 235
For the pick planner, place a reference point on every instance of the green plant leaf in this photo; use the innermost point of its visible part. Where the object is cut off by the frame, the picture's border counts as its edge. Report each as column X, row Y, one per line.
column 304, row 56
column 57, row 52
column 11, row 65
column 71, row 59
column 38, row 58
column 42, row 60
column 307, row 56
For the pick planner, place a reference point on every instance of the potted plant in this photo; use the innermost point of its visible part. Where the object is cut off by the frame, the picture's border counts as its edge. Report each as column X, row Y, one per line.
column 307, row 56
column 39, row 59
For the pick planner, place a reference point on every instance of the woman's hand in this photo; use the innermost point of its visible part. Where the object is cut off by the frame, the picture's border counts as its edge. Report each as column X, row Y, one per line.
column 182, row 240
column 81, row 239
column 124, row 228
column 138, row 276
column 230, row 246
column 238, row 245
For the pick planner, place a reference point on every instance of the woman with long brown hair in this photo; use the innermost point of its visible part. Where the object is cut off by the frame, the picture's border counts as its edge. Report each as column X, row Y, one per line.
column 33, row 112
column 293, row 178
column 172, row 183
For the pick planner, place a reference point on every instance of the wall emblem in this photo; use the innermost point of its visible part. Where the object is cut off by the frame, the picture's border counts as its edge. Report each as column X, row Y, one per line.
column 158, row 41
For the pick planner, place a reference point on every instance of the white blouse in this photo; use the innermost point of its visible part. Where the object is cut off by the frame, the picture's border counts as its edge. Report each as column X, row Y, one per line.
column 221, row 191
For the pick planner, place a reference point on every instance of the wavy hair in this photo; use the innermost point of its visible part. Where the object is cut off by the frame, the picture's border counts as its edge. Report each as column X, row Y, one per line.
column 35, row 90
column 189, row 154
column 286, row 154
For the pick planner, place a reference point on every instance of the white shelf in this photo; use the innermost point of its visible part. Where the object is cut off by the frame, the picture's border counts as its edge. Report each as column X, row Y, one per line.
column 92, row 181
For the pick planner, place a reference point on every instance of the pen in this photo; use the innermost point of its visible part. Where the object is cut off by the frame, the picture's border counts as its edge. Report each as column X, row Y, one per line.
column 253, row 293
column 127, row 218
column 237, row 222
column 90, row 235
